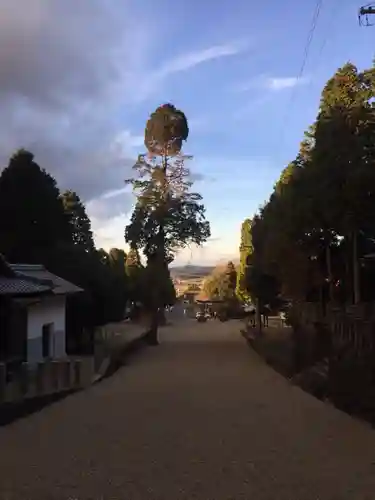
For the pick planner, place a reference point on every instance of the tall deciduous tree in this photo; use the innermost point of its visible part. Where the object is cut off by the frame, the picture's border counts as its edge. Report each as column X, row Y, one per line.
column 221, row 283
column 166, row 129
column 167, row 216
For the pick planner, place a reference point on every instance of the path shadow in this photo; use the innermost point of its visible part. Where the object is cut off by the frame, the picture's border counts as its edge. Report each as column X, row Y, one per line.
column 10, row 412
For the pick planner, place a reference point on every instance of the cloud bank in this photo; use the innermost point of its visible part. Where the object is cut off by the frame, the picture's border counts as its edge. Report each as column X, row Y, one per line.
column 63, row 68
column 68, row 70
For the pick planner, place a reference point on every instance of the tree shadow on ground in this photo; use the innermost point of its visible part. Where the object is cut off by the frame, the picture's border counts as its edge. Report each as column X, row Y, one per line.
column 10, row 412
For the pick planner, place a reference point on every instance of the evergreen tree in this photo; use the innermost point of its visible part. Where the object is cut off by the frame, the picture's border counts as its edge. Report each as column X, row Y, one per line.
column 79, row 220
column 246, row 249
column 32, row 217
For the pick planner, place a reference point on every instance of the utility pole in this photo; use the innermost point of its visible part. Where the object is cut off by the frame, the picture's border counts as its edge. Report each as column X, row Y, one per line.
column 364, row 13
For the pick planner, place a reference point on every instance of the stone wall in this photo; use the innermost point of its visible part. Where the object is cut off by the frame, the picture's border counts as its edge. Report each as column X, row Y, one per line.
column 42, row 379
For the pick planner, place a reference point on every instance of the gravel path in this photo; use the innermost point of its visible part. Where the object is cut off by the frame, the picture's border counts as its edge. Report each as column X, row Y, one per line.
column 199, row 417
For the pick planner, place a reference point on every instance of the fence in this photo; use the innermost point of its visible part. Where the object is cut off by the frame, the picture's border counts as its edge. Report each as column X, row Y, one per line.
column 345, row 338
column 111, row 339
column 352, row 327
column 57, row 376
column 51, row 377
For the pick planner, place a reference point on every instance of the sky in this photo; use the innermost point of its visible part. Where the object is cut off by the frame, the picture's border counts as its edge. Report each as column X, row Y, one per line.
column 79, row 79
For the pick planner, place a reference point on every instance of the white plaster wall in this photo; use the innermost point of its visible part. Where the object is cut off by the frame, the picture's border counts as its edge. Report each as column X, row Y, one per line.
column 49, row 310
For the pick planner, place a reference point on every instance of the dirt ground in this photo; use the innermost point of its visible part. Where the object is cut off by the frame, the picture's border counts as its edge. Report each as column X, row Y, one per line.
column 275, row 346
column 199, row 417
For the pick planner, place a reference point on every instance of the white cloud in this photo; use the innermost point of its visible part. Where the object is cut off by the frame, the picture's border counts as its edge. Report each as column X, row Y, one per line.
column 284, row 82
column 189, row 60
column 110, row 234
column 127, row 142
column 270, row 83
column 152, row 81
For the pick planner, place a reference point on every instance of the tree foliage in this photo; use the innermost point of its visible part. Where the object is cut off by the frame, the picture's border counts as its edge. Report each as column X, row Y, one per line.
column 32, row 214
column 79, row 220
column 312, row 231
column 135, row 272
column 246, row 249
column 165, row 131
column 221, row 283
column 40, row 225
column 184, row 223
column 168, row 216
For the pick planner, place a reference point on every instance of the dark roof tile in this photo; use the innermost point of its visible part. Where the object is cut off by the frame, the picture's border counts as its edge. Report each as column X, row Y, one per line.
column 17, row 286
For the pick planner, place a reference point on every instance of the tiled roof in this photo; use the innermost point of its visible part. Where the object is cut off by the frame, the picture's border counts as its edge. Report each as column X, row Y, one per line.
column 17, row 286
column 39, row 274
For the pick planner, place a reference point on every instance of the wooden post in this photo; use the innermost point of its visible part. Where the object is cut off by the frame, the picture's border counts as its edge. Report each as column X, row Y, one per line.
column 67, row 374
column 24, row 379
column 329, row 274
column 259, row 315
column 40, row 378
column 356, row 275
column 77, row 373
column 3, row 382
column 55, row 375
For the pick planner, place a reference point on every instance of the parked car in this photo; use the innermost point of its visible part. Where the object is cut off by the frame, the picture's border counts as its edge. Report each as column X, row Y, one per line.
column 202, row 316
column 249, row 308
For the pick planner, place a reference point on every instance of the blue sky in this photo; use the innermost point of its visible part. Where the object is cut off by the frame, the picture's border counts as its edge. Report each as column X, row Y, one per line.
column 231, row 66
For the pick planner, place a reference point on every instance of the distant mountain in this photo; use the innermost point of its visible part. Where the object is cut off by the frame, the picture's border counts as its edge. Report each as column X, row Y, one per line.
column 190, row 271
column 195, row 271
column 235, row 261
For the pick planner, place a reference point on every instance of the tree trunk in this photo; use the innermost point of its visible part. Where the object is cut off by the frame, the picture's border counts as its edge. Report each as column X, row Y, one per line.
column 162, row 318
column 152, row 334
column 259, row 316
column 356, row 276
column 329, row 273
column 348, row 298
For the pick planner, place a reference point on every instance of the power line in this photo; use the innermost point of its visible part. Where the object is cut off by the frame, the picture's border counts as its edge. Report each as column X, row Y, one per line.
column 329, row 32
column 326, row 38
column 306, row 52
column 310, row 37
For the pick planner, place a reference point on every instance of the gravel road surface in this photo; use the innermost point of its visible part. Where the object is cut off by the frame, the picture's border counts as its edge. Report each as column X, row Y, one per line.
column 198, row 417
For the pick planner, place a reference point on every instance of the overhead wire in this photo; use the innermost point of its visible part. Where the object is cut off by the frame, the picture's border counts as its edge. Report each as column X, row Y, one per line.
column 328, row 33
column 310, row 37
column 327, row 37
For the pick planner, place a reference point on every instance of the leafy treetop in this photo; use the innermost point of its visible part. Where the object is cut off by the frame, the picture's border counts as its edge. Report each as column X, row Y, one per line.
column 165, row 131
